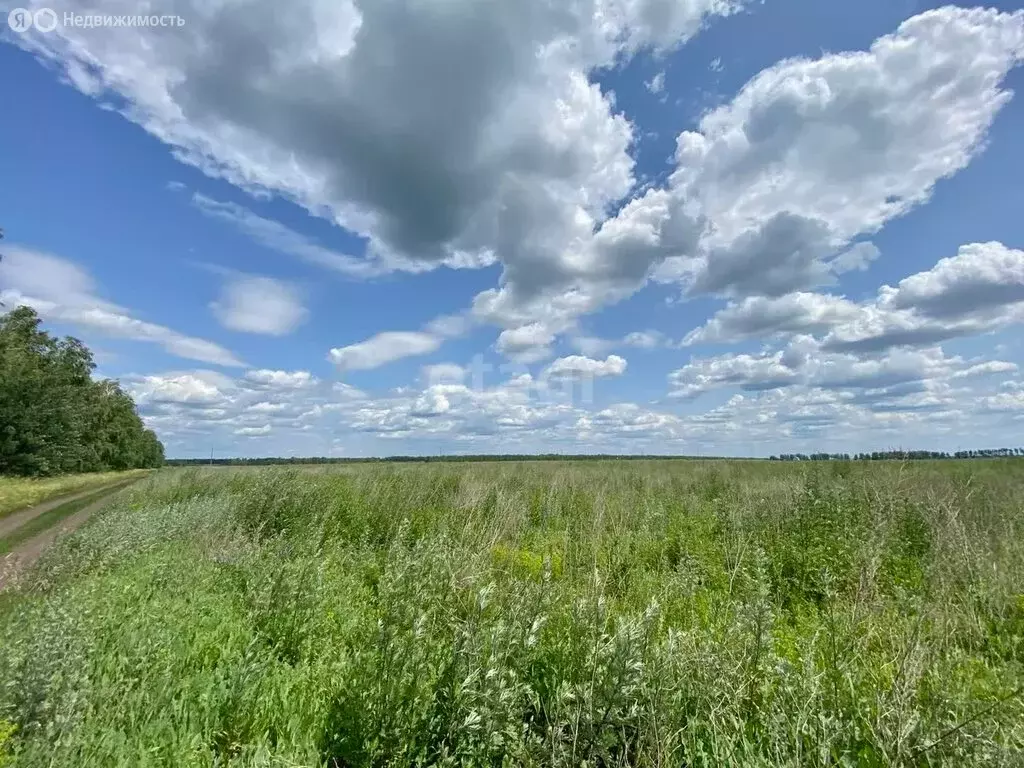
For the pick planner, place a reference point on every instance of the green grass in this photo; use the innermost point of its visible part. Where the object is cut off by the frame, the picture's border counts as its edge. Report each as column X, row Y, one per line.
column 16, row 493
column 50, row 518
column 592, row 613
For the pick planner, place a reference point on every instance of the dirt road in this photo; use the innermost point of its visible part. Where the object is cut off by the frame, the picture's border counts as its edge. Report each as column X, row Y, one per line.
column 9, row 523
column 27, row 552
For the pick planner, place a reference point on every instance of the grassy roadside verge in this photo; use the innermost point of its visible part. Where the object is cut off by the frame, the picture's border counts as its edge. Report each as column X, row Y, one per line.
column 16, row 493
column 52, row 517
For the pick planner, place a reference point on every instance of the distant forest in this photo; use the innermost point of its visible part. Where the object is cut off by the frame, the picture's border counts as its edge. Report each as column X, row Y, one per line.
column 54, row 417
column 271, row 460
column 985, row 453
column 874, row 456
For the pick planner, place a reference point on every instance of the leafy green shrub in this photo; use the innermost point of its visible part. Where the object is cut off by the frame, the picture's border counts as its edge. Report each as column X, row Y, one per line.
column 6, row 733
column 814, row 550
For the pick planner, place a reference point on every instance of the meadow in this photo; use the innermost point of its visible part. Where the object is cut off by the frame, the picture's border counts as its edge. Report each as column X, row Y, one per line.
column 603, row 613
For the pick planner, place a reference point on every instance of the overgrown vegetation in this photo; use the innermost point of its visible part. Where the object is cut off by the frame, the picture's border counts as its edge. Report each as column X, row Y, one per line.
column 54, row 418
column 598, row 613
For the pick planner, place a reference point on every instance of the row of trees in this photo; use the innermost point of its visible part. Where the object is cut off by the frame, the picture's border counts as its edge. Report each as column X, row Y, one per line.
column 54, row 417
column 286, row 460
column 987, row 453
column 874, row 456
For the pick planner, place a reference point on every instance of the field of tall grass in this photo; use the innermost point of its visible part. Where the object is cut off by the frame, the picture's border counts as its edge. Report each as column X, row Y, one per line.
column 674, row 613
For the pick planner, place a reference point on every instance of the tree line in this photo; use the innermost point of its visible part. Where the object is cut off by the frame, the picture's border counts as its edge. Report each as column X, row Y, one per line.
column 985, row 453
column 286, row 460
column 54, row 417
column 875, row 455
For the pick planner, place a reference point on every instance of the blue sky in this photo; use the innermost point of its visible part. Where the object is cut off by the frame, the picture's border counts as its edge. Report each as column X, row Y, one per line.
column 697, row 226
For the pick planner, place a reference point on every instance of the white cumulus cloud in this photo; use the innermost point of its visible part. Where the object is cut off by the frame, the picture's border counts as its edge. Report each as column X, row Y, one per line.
column 262, row 305
column 384, row 348
column 577, row 366
column 61, row 291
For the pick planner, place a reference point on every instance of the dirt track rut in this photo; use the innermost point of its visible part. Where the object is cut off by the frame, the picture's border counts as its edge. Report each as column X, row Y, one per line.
column 26, row 553
column 12, row 522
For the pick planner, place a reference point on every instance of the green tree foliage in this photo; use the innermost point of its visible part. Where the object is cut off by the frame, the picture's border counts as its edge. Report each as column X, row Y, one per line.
column 900, row 455
column 54, row 418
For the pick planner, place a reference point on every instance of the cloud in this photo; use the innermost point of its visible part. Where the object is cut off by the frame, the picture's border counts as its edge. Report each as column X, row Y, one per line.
column 351, row 111
column 645, row 339
column 857, row 258
column 443, row 373
column 876, row 329
column 594, row 345
column 61, row 291
column 266, row 407
column 986, row 369
column 189, row 406
column 390, row 346
column 895, row 368
column 191, row 388
column 803, row 362
column 777, row 256
column 981, row 277
column 527, row 343
column 1004, row 402
column 278, row 237
column 447, row 174
column 981, row 289
column 770, row 195
column 809, row 155
column 663, row 24
column 579, row 367
column 465, row 413
column 449, row 326
column 631, row 421
column 431, row 403
column 281, row 379
column 758, row 317
column 384, row 348
column 416, row 174
column 748, row 372
column 814, row 153
column 656, row 84
column 836, row 403
column 261, row 305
